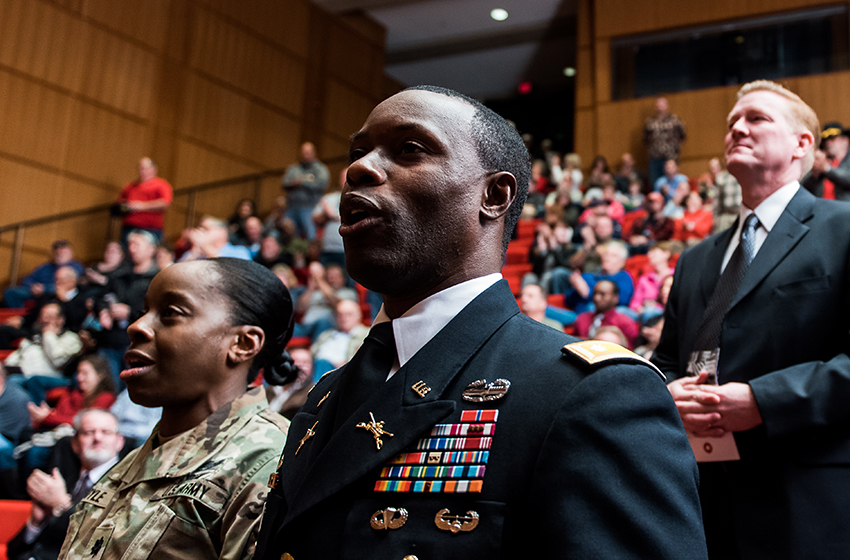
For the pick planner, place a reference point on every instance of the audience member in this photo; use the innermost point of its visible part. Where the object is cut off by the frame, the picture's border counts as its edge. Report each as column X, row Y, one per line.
column 727, row 195
column 97, row 277
column 598, row 172
column 655, row 226
column 95, row 446
column 611, row 334
column 304, row 183
column 335, row 347
column 325, row 287
column 627, row 174
column 41, row 357
column 633, row 199
column 164, row 256
column 551, row 249
column 143, row 202
column 645, row 298
column 130, row 284
column 14, row 419
column 697, row 221
column 668, row 183
column 533, row 303
column 41, row 280
column 326, row 216
column 95, row 389
column 606, row 296
column 595, row 233
column 271, row 253
column 245, row 209
column 579, row 288
column 253, row 235
column 210, row 240
column 663, row 136
column 830, row 174
column 286, row 275
column 606, row 204
column 675, row 207
column 289, row 398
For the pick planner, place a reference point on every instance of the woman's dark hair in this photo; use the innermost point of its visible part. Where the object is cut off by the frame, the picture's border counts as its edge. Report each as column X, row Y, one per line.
column 260, row 299
column 105, row 382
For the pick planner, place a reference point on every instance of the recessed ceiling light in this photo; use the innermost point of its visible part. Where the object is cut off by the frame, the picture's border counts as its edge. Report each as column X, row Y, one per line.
column 569, row 71
column 499, row 14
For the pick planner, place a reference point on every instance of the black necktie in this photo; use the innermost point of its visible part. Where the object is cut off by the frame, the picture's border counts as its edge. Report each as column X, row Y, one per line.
column 82, row 488
column 367, row 371
column 708, row 335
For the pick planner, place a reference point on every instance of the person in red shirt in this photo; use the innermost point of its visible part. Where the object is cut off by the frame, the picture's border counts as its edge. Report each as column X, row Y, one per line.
column 143, row 201
column 95, row 389
column 606, row 294
column 695, row 225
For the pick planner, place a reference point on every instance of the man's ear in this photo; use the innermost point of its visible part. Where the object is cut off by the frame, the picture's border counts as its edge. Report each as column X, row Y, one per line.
column 247, row 344
column 500, row 194
column 805, row 141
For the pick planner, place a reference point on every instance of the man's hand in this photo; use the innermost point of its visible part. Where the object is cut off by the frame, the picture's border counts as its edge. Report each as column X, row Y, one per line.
column 48, row 490
column 120, row 311
column 714, row 410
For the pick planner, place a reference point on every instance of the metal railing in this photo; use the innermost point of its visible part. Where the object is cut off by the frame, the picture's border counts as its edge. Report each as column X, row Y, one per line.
column 21, row 227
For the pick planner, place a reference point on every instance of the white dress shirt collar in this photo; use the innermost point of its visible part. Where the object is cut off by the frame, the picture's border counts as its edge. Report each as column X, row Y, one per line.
column 423, row 321
column 768, row 213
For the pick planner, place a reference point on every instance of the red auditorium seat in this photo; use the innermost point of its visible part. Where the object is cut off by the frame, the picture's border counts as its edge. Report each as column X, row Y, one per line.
column 13, row 515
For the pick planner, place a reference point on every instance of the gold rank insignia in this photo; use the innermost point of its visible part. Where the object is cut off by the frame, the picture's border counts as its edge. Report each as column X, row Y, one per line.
column 310, row 433
column 595, row 352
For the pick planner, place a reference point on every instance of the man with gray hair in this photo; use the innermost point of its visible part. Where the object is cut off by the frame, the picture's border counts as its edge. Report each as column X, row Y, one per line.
column 95, row 447
column 755, row 336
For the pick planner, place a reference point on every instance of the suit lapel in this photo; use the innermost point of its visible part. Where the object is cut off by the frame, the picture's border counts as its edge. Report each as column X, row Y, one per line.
column 713, row 262
column 351, row 452
column 788, row 231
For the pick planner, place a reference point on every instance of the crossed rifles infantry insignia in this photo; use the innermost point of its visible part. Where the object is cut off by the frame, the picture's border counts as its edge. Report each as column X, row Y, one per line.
column 376, row 429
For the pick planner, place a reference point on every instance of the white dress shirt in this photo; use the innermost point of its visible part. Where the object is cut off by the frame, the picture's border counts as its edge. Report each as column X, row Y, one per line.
column 423, row 321
column 768, row 213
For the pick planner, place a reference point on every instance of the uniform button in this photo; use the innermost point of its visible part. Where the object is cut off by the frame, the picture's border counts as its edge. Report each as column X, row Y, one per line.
column 411, row 557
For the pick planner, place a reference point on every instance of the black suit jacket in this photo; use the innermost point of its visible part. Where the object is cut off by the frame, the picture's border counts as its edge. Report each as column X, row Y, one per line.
column 786, row 334
column 586, row 461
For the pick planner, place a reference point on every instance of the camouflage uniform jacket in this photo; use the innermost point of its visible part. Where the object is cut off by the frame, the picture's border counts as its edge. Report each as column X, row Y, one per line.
column 199, row 495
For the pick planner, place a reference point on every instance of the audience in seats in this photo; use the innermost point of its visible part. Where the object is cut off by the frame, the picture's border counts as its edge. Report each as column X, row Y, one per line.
column 14, row 419
column 287, row 399
column 56, row 491
column 655, row 226
column 645, row 297
column 236, row 223
column 663, row 136
column 675, row 207
column 671, row 180
column 552, row 248
column 335, row 347
column 627, row 174
column 606, row 296
column 41, row 280
column 94, row 389
column 325, row 287
column 726, row 195
column 210, row 240
column 326, row 216
column 830, row 173
column 595, row 233
column 96, row 278
column 578, row 286
column 611, row 334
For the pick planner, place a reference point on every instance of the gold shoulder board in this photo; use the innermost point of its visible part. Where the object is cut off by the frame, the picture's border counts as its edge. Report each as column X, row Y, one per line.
column 596, row 352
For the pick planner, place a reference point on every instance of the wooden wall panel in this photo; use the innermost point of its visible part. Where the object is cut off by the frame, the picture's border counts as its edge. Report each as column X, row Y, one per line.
column 284, row 22
column 120, row 74
column 345, row 109
column 272, row 137
column 199, row 164
column 103, row 145
column 625, row 17
column 215, row 115
column 34, row 33
column 229, row 53
column 363, row 72
column 34, row 119
column 19, row 179
column 146, row 22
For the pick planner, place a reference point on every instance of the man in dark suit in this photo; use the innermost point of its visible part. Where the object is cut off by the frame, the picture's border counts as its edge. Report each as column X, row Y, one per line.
column 783, row 368
column 484, row 434
column 94, row 449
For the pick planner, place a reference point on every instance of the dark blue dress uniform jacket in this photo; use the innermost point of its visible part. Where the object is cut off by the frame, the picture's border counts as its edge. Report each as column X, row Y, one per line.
column 586, row 461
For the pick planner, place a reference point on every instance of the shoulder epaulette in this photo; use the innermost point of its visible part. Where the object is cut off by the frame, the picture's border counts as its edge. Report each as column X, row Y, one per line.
column 598, row 352
column 321, row 378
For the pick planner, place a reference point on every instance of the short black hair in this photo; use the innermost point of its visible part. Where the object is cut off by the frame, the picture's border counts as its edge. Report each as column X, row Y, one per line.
column 257, row 297
column 615, row 287
column 500, row 148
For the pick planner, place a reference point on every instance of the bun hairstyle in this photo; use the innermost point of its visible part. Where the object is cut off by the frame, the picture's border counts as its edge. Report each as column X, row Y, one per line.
column 259, row 298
